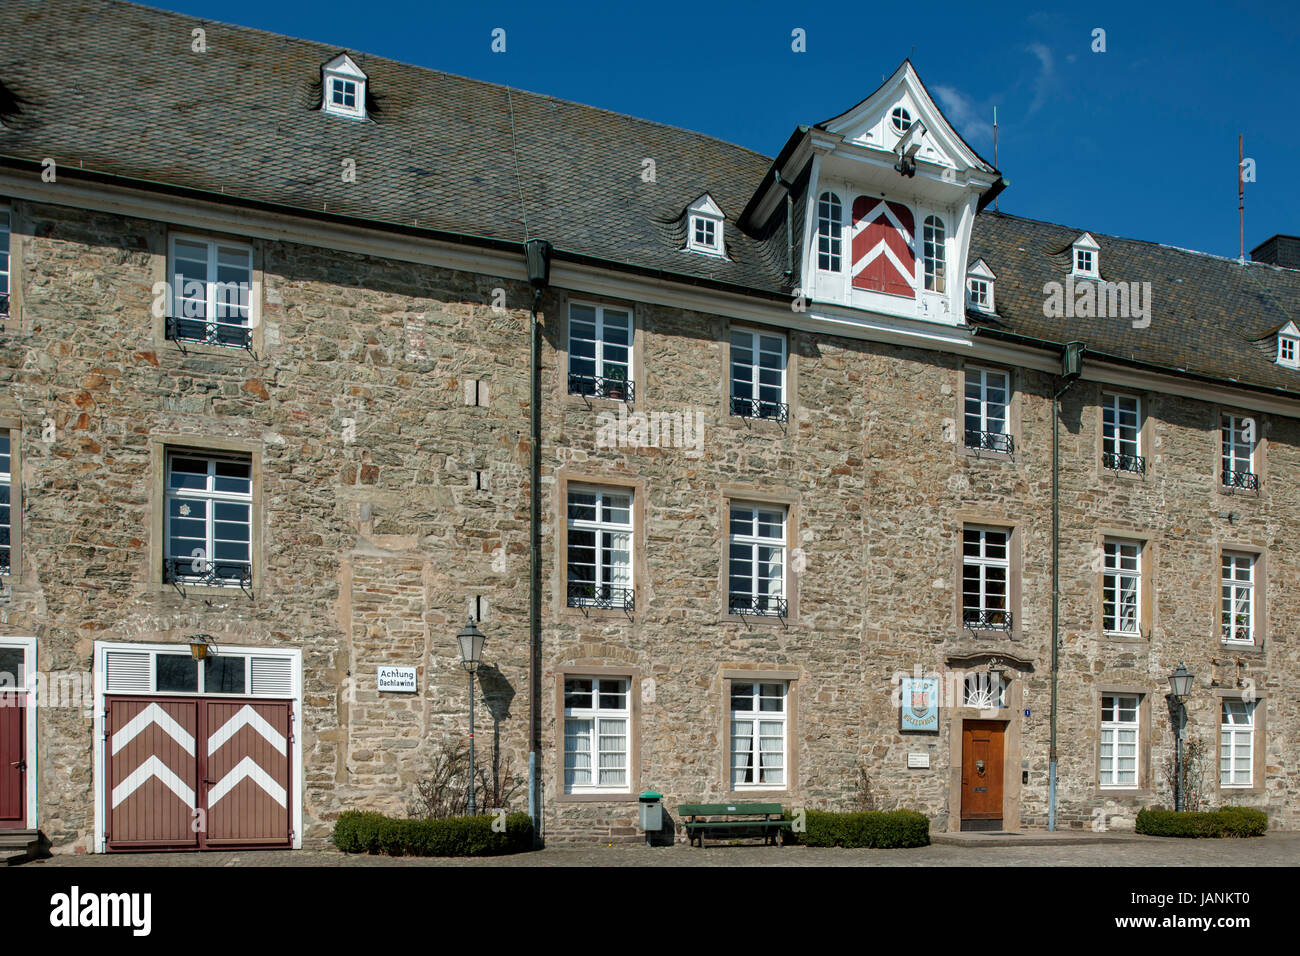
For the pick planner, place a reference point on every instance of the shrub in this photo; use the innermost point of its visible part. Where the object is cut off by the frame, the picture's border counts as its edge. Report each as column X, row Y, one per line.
column 357, row 831
column 876, row 828
column 1228, row 822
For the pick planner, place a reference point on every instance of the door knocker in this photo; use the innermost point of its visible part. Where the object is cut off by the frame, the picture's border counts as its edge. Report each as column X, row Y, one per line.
column 979, row 767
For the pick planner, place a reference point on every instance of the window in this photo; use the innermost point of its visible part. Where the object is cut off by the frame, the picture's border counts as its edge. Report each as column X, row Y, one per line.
column 988, row 394
column 984, row 690
column 6, row 486
column 600, row 549
column 758, row 721
column 170, row 669
column 600, row 352
column 758, row 375
column 1083, row 261
column 756, row 561
column 1085, row 257
column 705, row 232
column 211, row 287
column 900, row 119
column 596, row 716
column 830, row 232
column 4, row 262
column 1237, row 744
column 1121, row 587
column 981, row 294
column 986, row 568
column 935, row 254
column 1119, row 741
column 1239, row 453
column 1288, row 351
column 209, row 526
column 704, row 226
column 1120, row 438
column 344, row 88
column 1238, row 609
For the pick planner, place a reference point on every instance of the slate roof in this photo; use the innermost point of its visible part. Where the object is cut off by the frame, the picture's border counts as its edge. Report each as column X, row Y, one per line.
column 114, row 88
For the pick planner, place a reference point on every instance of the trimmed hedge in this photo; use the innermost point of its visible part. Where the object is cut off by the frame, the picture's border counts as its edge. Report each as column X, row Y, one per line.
column 875, row 828
column 358, row 831
column 1228, row 822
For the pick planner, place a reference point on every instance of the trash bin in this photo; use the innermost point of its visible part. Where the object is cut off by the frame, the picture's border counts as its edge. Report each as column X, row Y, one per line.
column 652, row 811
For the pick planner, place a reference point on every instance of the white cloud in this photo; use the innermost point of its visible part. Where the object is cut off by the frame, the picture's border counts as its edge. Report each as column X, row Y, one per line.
column 973, row 121
column 1046, row 76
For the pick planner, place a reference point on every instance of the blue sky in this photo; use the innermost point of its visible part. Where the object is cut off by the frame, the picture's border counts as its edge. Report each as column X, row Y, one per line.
column 1139, row 141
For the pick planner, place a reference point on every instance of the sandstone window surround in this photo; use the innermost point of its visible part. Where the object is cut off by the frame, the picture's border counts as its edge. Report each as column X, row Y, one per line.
column 1125, row 561
column 1120, row 737
column 223, row 505
column 986, row 579
column 211, row 289
column 758, row 388
column 11, row 504
column 581, row 714
column 760, row 714
column 1241, row 736
column 600, row 545
column 601, row 345
column 986, row 408
column 830, row 232
column 1237, row 611
column 1123, row 438
column 753, row 589
column 1240, row 463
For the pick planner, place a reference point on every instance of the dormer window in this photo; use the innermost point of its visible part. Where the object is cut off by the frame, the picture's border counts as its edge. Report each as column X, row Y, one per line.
column 704, row 227
column 979, row 287
column 901, row 119
column 1086, row 258
column 1288, row 346
column 344, row 88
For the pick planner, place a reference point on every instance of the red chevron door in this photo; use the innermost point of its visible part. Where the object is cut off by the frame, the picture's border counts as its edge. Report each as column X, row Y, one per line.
column 152, row 773
column 246, row 773
column 884, row 247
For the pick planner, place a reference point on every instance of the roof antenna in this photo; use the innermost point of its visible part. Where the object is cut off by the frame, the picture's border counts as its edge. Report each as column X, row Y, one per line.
column 1241, row 197
column 514, row 146
column 995, row 151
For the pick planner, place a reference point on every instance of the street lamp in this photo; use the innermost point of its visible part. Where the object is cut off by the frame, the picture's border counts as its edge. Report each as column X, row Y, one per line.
column 471, row 651
column 1180, row 688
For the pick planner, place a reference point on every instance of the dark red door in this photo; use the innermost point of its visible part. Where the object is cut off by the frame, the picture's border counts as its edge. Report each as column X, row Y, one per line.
column 13, row 761
column 981, row 771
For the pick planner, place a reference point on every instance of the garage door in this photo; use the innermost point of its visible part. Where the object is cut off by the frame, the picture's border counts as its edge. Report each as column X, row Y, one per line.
column 197, row 773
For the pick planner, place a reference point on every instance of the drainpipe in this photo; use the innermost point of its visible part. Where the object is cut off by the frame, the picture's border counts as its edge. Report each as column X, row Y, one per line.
column 537, row 254
column 1071, row 367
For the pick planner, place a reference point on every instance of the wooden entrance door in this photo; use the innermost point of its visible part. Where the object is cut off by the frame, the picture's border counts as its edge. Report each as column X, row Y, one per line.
column 981, row 774
column 13, row 738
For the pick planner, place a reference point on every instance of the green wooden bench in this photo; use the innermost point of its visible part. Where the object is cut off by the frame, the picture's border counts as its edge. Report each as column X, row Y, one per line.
column 771, row 826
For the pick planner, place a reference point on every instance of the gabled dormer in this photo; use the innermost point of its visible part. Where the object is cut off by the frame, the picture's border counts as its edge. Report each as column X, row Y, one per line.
column 343, row 88
column 891, row 193
column 1288, row 346
column 704, row 227
column 1085, row 258
column 979, row 287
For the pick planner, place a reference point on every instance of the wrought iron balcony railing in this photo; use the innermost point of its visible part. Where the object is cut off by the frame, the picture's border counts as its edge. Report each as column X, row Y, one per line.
column 990, row 441
column 757, row 408
column 210, row 332
column 1134, row 463
column 748, row 605
column 1247, row 480
column 978, row 619
column 198, row 572
column 603, row 597
column 601, row 386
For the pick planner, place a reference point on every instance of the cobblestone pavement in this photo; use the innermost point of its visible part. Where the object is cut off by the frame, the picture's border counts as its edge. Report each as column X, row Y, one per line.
column 1275, row 849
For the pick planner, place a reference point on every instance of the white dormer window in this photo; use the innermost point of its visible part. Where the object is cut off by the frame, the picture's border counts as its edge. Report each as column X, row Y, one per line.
column 1288, row 346
column 1085, row 257
column 344, row 88
column 979, row 286
column 704, row 227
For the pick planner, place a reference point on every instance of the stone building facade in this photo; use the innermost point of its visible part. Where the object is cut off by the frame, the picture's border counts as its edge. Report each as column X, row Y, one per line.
column 379, row 409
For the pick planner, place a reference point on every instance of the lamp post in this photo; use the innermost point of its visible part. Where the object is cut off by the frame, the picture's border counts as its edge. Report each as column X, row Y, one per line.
column 471, row 651
column 1180, row 688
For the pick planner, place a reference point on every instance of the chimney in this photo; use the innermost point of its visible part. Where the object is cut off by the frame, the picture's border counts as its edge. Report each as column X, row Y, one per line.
column 1279, row 251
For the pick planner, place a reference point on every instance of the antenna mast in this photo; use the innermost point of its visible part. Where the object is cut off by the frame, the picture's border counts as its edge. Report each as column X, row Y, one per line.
column 1241, row 197
column 995, row 150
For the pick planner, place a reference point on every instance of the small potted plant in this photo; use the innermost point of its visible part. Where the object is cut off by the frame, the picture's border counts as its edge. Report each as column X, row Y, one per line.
column 616, row 382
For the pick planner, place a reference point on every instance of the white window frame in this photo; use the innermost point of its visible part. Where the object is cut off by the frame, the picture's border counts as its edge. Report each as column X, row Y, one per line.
column 6, row 482
column 1085, row 258
column 212, row 498
column 1237, row 743
column 608, row 574
column 1114, row 731
column 900, row 119
column 705, row 210
column 1118, row 554
column 980, row 293
column 603, row 365
column 982, row 378
column 27, row 691
column 593, row 736
column 985, row 690
column 1288, row 351
column 1237, row 592
column 983, row 561
column 216, row 305
column 6, row 261
column 757, row 348
column 342, row 69
column 756, row 717
column 934, row 248
column 1114, row 437
column 759, row 603
column 1236, row 450
column 830, row 232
